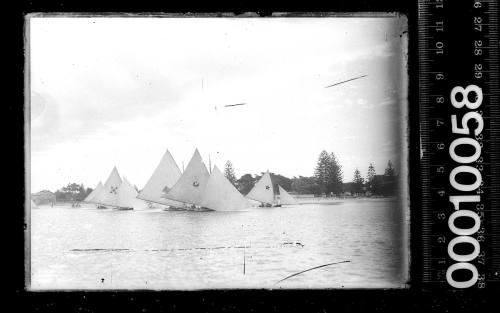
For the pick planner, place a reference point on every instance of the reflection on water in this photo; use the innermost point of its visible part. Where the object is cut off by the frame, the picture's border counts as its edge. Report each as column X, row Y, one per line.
column 86, row 248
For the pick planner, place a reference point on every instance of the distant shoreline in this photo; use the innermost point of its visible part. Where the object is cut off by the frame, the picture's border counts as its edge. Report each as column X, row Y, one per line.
column 300, row 200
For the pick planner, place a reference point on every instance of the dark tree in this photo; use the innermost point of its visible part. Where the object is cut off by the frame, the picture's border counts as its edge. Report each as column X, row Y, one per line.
column 370, row 176
column 229, row 172
column 334, row 175
column 306, row 185
column 72, row 192
column 321, row 170
column 281, row 180
column 245, row 183
column 328, row 173
column 357, row 186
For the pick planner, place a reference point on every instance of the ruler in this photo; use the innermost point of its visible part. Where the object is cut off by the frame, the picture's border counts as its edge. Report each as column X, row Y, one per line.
column 459, row 144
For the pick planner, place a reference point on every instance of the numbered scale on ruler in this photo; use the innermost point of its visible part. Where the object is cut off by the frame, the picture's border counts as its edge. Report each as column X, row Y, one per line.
column 458, row 114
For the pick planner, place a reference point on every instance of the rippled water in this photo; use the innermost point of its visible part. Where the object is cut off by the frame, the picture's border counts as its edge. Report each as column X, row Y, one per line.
column 86, row 248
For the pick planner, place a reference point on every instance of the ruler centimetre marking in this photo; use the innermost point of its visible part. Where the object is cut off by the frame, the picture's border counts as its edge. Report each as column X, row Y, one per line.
column 459, row 142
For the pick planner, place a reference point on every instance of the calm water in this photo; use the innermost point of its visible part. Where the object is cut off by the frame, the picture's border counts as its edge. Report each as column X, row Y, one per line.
column 86, row 248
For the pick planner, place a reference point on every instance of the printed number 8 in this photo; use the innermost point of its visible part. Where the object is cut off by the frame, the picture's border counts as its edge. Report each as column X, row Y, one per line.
column 465, row 101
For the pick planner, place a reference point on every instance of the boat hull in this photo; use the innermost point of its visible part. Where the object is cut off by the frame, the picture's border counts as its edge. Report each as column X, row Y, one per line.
column 174, row 209
column 267, row 205
column 124, row 209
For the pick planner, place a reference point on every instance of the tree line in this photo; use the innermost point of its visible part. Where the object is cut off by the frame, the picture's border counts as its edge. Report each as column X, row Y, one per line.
column 327, row 180
column 383, row 185
column 72, row 192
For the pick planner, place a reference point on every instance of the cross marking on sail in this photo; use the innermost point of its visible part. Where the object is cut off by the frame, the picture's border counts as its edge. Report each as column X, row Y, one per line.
column 110, row 190
column 196, row 183
column 267, row 187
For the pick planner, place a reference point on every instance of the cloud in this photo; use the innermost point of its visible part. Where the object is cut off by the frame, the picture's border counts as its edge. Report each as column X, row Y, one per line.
column 129, row 88
column 90, row 103
column 45, row 121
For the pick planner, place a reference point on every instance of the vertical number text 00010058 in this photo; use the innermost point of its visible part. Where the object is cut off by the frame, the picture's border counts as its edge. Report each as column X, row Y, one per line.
column 464, row 235
column 460, row 127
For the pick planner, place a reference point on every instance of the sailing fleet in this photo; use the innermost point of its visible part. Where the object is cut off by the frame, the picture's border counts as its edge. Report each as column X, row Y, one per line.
column 195, row 189
column 116, row 193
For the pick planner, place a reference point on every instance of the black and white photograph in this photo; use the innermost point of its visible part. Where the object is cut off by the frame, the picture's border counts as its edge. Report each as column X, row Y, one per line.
column 195, row 152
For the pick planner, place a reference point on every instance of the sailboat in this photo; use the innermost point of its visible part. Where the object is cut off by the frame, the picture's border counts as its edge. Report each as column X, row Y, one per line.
column 263, row 191
column 285, row 197
column 166, row 174
column 221, row 195
column 108, row 196
column 190, row 187
column 33, row 205
column 94, row 192
column 127, row 194
column 202, row 191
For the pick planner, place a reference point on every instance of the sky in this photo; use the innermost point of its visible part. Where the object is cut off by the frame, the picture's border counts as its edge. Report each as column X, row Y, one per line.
column 114, row 91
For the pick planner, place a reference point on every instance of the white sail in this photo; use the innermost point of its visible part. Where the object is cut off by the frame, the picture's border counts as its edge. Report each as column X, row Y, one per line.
column 285, row 197
column 126, row 195
column 109, row 192
column 263, row 190
column 191, row 185
column 166, row 174
column 94, row 192
column 33, row 205
column 221, row 195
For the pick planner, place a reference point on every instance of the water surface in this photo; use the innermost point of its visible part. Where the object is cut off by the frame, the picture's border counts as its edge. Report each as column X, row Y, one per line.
column 86, row 248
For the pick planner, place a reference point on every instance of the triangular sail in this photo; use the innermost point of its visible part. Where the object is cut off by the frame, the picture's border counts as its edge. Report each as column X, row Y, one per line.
column 109, row 192
column 285, row 197
column 191, row 185
column 33, row 205
column 166, row 174
column 263, row 190
column 126, row 195
column 94, row 192
column 221, row 195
